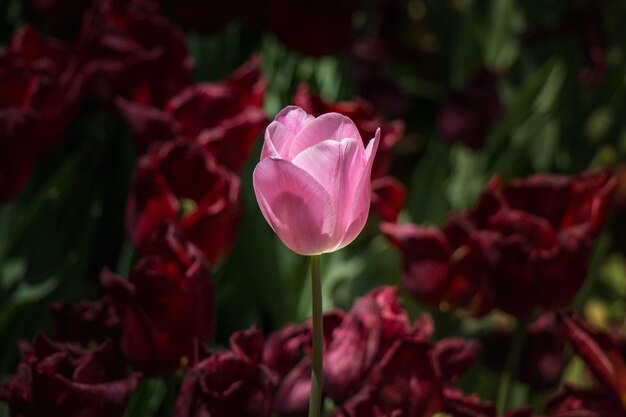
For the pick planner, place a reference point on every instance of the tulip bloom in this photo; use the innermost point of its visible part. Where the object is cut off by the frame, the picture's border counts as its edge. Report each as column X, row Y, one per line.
column 313, row 182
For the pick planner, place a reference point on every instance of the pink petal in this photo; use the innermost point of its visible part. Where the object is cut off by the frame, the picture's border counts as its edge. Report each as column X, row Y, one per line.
column 362, row 196
column 293, row 118
column 297, row 207
column 281, row 132
column 333, row 126
column 336, row 166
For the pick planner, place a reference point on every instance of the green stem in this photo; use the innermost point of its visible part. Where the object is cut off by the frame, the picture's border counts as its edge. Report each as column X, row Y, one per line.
column 513, row 359
column 318, row 339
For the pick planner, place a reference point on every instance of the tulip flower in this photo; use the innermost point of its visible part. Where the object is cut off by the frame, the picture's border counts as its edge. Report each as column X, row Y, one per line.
column 314, row 186
column 313, row 182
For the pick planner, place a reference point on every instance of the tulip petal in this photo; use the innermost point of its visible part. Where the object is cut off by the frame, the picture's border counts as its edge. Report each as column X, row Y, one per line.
column 333, row 126
column 336, row 166
column 296, row 206
column 293, row 118
column 281, row 132
column 362, row 196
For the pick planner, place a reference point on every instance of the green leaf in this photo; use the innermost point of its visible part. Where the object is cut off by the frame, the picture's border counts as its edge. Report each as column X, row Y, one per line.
column 613, row 274
column 11, row 272
column 25, row 294
column 502, row 37
column 147, row 399
column 467, row 178
column 426, row 201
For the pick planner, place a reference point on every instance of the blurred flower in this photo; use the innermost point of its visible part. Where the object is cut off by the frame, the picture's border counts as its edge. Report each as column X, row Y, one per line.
column 369, row 55
column 180, row 182
column 167, row 306
column 403, row 384
column 388, row 196
column 467, row 115
column 375, row 322
column 66, row 380
column 61, row 18
column 524, row 246
column 121, row 42
column 411, row 380
column 362, row 114
column 40, row 93
column 229, row 383
column 376, row 359
column 225, row 117
column 287, row 352
column 316, row 28
column 86, row 322
column 313, row 183
column 603, row 357
column 587, row 24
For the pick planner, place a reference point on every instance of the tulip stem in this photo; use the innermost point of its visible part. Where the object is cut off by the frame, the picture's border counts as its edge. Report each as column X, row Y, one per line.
column 511, row 368
column 317, row 367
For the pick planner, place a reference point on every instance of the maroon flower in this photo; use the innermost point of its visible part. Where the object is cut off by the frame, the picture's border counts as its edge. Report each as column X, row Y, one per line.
column 362, row 113
column 602, row 355
column 40, row 92
column 375, row 322
column 122, row 42
column 408, row 383
column 309, row 28
column 66, row 380
column 167, row 306
column 521, row 247
column 287, row 352
column 62, row 18
column 86, row 322
column 467, row 115
column 388, row 196
column 225, row 117
column 180, row 182
column 376, row 364
column 229, row 383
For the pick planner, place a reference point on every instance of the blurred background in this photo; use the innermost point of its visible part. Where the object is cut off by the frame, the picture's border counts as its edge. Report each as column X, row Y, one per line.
column 92, row 93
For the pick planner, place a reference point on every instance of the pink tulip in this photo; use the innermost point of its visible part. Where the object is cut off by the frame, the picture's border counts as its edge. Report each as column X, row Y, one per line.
column 313, row 182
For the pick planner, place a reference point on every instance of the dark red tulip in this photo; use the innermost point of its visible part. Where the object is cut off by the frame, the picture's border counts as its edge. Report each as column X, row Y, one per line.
column 86, row 321
column 224, row 117
column 62, row 18
column 377, row 363
column 287, row 352
column 388, row 196
column 375, row 322
column 121, row 43
column 523, row 246
column 467, row 115
column 601, row 353
column 179, row 182
column 229, row 383
column 309, row 28
column 365, row 119
column 167, row 307
column 40, row 92
column 581, row 402
column 453, row 356
column 407, row 383
column 66, row 380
